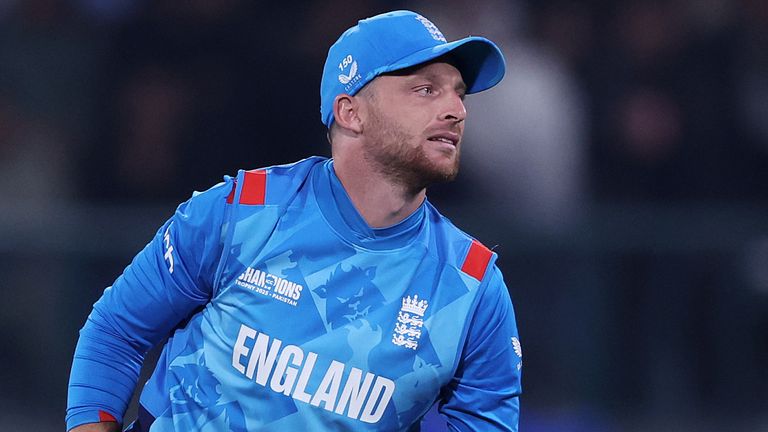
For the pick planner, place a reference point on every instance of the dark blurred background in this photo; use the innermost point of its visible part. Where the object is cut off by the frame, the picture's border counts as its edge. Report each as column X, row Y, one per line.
column 620, row 170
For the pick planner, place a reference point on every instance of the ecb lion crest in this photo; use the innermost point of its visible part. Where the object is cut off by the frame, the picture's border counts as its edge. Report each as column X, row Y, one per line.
column 409, row 322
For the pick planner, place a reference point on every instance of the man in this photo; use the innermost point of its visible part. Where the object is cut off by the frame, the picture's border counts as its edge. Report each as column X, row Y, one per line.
column 327, row 294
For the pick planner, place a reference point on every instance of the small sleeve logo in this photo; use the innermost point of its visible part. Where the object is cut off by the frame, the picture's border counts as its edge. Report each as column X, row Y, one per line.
column 168, row 255
column 518, row 350
column 517, row 347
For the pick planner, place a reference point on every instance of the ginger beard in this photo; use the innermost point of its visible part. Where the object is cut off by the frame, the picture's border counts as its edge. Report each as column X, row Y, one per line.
column 402, row 156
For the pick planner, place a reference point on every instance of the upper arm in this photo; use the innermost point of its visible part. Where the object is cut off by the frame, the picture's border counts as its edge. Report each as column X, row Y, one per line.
column 164, row 284
column 483, row 394
column 171, row 277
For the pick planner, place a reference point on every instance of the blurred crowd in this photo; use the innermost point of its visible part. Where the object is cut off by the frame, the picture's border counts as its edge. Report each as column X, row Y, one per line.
column 605, row 103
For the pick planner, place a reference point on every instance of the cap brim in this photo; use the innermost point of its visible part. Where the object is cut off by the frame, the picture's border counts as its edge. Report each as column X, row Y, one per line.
column 479, row 60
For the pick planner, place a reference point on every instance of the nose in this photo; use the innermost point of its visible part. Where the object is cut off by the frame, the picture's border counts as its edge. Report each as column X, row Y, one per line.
column 454, row 109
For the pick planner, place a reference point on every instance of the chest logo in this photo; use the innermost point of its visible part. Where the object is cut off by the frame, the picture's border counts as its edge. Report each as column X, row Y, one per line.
column 409, row 322
column 270, row 285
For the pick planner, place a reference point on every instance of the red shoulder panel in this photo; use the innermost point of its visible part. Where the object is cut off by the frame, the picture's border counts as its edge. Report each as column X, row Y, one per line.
column 254, row 188
column 477, row 260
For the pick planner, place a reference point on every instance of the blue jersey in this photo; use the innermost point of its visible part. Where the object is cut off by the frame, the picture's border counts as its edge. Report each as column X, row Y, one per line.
column 286, row 311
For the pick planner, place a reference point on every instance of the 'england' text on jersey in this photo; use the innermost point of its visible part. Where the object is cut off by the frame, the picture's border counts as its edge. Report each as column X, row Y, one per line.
column 265, row 359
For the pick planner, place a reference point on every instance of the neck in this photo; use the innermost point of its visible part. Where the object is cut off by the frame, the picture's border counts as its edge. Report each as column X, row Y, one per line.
column 381, row 200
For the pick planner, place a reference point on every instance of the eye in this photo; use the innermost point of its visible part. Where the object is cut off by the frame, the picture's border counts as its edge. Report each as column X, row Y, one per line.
column 425, row 91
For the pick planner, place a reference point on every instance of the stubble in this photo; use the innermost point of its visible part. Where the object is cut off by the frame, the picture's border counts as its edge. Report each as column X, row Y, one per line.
column 400, row 156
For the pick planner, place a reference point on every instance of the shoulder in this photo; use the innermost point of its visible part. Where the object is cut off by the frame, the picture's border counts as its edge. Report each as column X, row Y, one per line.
column 457, row 248
column 270, row 185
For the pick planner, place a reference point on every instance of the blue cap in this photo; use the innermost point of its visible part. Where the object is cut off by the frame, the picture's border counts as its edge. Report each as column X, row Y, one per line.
column 398, row 40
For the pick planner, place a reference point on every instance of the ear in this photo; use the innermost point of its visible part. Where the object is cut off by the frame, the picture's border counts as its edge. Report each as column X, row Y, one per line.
column 346, row 112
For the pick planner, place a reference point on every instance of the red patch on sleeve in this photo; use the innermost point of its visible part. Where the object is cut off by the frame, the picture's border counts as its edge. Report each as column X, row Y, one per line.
column 106, row 417
column 477, row 260
column 254, row 188
column 231, row 196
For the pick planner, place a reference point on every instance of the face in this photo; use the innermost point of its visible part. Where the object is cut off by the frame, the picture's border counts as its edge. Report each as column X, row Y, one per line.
column 413, row 123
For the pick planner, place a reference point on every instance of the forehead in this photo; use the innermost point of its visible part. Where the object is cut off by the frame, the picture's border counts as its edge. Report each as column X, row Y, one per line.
column 442, row 71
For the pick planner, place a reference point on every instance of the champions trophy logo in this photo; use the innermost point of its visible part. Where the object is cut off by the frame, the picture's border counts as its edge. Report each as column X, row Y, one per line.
column 409, row 322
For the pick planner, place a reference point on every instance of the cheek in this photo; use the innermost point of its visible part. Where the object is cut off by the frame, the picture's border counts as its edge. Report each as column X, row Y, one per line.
column 415, row 121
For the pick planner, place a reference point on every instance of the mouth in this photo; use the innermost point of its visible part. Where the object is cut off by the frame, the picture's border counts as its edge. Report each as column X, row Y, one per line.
column 448, row 138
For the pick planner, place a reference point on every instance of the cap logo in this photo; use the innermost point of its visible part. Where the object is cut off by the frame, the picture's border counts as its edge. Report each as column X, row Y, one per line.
column 352, row 77
column 431, row 28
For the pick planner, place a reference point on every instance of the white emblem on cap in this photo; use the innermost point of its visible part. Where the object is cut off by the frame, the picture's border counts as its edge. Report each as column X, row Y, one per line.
column 433, row 30
column 345, row 79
